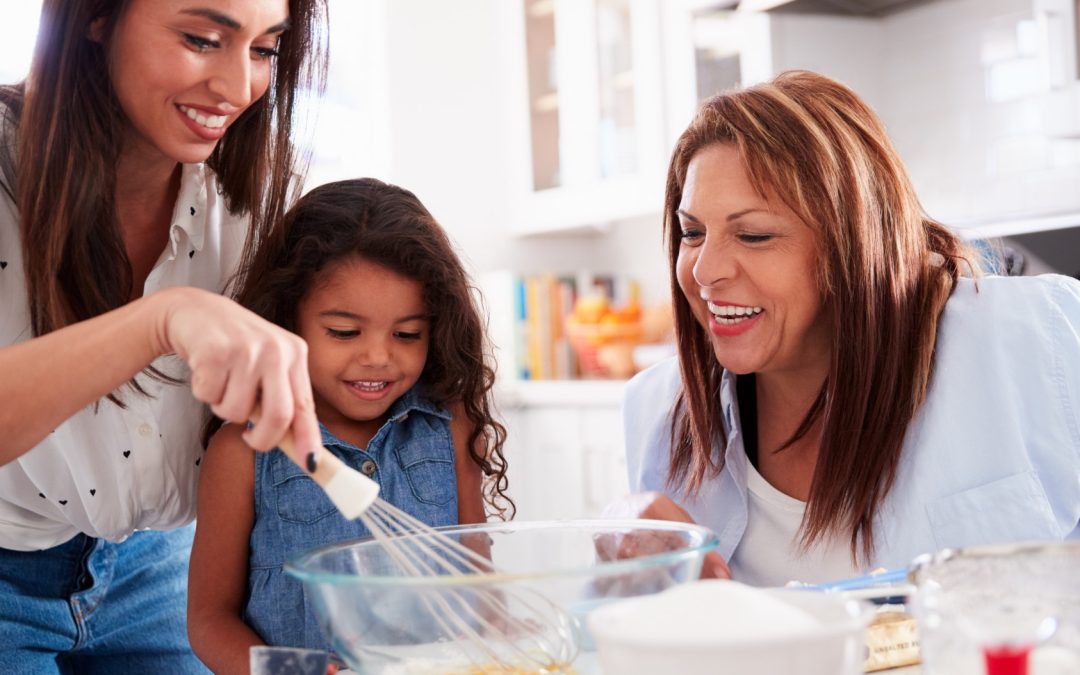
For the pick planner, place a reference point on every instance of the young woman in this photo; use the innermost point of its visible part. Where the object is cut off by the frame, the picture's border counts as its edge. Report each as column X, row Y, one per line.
column 397, row 356
column 845, row 396
column 143, row 159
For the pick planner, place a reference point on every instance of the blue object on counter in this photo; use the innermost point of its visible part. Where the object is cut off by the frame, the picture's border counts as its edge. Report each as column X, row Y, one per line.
column 885, row 578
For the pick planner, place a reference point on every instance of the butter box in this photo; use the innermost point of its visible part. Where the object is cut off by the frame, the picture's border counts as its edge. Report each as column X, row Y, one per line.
column 892, row 641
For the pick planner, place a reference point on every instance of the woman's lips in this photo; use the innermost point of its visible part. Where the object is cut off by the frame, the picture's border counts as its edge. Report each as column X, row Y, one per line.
column 732, row 327
column 202, row 129
column 727, row 319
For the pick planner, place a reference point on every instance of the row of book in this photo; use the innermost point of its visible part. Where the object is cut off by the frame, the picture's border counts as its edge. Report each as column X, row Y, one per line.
column 528, row 315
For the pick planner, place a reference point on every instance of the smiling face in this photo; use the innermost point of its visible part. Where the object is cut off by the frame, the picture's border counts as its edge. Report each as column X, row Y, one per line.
column 184, row 70
column 367, row 331
column 746, row 266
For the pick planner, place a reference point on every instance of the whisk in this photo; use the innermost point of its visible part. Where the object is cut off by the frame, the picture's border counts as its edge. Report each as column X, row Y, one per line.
column 538, row 636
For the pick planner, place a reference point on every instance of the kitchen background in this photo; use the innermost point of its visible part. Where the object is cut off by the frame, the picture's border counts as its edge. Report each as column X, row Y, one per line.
column 538, row 131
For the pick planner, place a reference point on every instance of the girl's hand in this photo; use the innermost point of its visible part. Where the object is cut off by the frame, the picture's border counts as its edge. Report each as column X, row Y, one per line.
column 658, row 506
column 238, row 360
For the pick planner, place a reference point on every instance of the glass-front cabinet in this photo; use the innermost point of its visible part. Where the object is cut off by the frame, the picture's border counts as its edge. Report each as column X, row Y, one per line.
column 711, row 47
column 593, row 104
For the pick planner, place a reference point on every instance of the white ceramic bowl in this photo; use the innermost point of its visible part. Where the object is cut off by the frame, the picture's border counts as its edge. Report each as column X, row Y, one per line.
column 715, row 627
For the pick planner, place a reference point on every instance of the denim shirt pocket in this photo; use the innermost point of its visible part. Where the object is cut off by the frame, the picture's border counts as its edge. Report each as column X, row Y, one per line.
column 428, row 468
column 299, row 498
column 1010, row 509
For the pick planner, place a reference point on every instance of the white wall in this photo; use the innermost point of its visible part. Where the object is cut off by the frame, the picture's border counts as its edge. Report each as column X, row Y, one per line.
column 967, row 97
column 965, row 89
column 18, row 31
column 844, row 48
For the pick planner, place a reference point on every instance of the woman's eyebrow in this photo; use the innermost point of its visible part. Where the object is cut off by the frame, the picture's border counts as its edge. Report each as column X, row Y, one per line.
column 689, row 216
column 730, row 217
column 227, row 21
column 740, row 214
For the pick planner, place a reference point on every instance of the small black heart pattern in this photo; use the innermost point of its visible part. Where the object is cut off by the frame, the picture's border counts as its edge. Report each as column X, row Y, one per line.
column 127, row 453
column 191, row 254
column 93, row 492
column 3, row 264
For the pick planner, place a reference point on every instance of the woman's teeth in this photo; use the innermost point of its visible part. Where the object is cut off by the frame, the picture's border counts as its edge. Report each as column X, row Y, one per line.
column 729, row 315
column 208, row 121
column 370, row 386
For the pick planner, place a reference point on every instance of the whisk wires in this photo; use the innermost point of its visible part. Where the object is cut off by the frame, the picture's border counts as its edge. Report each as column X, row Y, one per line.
column 544, row 641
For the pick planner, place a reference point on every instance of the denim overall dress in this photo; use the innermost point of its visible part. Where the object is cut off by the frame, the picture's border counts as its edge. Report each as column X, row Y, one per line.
column 411, row 458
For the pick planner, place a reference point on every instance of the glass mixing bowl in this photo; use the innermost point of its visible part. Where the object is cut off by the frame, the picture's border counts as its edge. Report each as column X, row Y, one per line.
column 1008, row 600
column 550, row 575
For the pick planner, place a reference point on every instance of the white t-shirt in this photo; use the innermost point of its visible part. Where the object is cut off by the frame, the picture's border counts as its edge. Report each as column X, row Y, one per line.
column 769, row 553
column 109, row 471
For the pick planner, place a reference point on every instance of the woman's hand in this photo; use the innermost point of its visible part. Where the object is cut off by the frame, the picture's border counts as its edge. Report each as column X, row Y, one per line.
column 238, row 360
column 658, row 506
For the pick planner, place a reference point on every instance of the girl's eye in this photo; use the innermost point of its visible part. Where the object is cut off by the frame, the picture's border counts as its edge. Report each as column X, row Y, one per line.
column 342, row 334
column 200, row 43
column 751, row 238
column 402, row 335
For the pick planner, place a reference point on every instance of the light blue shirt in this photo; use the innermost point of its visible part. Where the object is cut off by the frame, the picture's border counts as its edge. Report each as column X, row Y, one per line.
column 993, row 455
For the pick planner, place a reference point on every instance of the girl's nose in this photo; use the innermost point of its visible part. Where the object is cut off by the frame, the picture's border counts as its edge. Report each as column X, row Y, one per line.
column 375, row 353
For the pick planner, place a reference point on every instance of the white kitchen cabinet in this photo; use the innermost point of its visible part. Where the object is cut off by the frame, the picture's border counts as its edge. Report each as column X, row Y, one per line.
column 584, row 84
column 709, row 47
column 1057, row 25
column 981, row 99
column 564, row 447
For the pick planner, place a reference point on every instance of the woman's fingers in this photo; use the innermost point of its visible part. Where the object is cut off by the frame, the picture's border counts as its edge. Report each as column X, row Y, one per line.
column 238, row 361
column 208, row 385
column 305, row 428
column 714, row 567
column 242, row 384
column 275, row 403
column 662, row 508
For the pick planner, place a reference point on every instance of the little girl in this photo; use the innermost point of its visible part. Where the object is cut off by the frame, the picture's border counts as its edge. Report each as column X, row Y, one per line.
column 402, row 390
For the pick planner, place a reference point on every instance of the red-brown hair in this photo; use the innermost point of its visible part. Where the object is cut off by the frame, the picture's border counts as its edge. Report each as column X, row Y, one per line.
column 886, row 272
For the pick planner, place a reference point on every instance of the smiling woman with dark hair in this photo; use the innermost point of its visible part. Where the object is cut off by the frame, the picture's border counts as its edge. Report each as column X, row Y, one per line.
column 848, row 392
column 143, row 160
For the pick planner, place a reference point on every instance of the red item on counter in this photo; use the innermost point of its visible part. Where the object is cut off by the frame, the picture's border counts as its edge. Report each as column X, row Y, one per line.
column 1007, row 659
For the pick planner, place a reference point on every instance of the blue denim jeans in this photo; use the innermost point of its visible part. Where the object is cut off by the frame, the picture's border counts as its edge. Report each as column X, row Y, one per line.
column 91, row 606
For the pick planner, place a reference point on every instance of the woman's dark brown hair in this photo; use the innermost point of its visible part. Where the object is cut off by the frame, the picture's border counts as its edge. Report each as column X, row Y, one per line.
column 885, row 274
column 387, row 225
column 70, row 130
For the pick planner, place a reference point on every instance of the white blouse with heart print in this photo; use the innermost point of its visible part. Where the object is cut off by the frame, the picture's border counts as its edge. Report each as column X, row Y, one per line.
column 108, row 471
